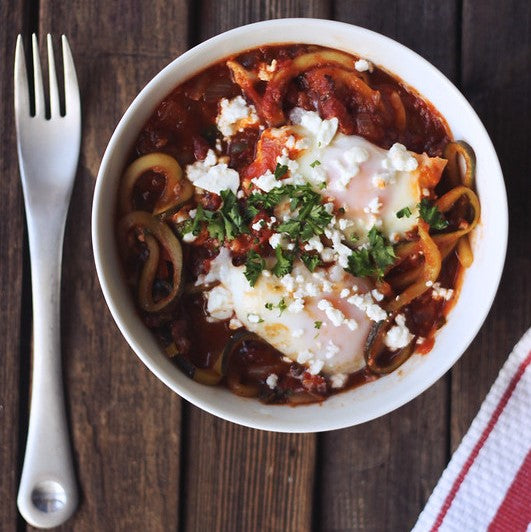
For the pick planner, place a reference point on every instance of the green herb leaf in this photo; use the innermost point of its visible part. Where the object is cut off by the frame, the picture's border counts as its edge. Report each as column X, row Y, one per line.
column 373, row 260
column 269, row 306
column 431, row 214
column 254, row 265
column 406, row 211
column 317, row 324
column 281, row 305
column 315, row 163
column 284, row 263
column 311, row 261
column 280, row 170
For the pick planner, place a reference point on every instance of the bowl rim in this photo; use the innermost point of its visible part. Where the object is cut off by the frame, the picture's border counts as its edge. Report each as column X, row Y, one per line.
column 98, row 230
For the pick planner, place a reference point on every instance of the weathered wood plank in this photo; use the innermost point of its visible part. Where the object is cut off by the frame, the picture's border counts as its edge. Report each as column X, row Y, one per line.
column 13, row 346
column 125, row 424
column 378, row 476
column 496, row 77
column 216, row 17
column 238, row 478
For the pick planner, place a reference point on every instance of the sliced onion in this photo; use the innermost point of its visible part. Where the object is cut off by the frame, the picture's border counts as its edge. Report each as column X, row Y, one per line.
column 375, row 346
column 156, row 234
column 176, row 191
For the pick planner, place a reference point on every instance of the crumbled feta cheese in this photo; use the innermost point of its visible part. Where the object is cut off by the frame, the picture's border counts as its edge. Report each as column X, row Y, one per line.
column 253, row 318
column 189, row 237
column 315, row 366
column 233, row 114
column 219, row 304
column 323, row 130
column 297, row 306
column 266, row 181
column 398, row 158
column 378, row 296
column 275, row 240
column 266, row 273
column 344, row 293
column 438, row 292
column 257, row 225
column 240, row 194
column 235, row 323
column 398, row 336
column 297, row 333
column 192, row 213
column 331, row 350
column 352, row 324
column 304, row 356
column 366, row 303
column 337, row 380
column 362, row 65
column 272, row 381
column 429, row 283
column 314, row 244
column 344, row 223
column 288, row 282
column 373, row 206
column 213, row 177
column 328, row 255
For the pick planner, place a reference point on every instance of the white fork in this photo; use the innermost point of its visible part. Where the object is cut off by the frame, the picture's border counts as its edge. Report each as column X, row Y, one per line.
column 48, row 152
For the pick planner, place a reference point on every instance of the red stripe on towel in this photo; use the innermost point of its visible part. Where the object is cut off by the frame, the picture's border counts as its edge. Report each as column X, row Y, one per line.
column 514, row 512
column 475, row 451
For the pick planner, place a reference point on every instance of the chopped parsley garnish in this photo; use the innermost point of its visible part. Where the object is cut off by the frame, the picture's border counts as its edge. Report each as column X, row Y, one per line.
column 372, row 260
column 315, row 163
column 284, row 263
column 254, row 265
column 311, row 261
column 226, row 223
column 317, row 324
column 432, row 215
column 281, row 305
column 406, row 211
column 280, row 170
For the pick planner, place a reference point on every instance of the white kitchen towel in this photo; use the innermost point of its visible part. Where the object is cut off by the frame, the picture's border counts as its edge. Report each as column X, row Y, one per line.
column 487, row 484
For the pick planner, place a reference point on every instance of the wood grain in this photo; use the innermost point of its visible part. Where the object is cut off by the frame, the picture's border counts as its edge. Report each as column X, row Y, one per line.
column 125, row 423
column 238, row 478
column 496, row 76
column 14, row 335
column 378, row 476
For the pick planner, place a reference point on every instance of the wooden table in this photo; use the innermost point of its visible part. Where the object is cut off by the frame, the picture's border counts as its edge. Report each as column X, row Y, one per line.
column 147, row 460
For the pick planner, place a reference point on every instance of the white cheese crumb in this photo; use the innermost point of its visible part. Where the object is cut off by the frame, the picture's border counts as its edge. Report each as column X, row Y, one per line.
column 366, row 303
column 331, row 350
column 272, row 381
column 373, row 206
column 400, row 159
column 297, row 306
column 233, row 114
column 352, row 324
column 315, row 367
column 257, row 225
column 235, row 323
column 378, row 296
column 398, row 336
column 438, row 292
column 323, row 130
column 337, row 380
column 189, row 237
column 213, row 177
column 219, row 304
column 288, row 282
column 304, row 356
column 344, row 293
column 253, row 318
column 362, row 65
column 266, row 181
column 275, row 240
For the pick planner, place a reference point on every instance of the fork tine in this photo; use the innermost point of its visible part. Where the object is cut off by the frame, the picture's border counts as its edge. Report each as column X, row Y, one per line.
column 54, row 90
column 22, row 107
column 37, row 79
column 72, row 103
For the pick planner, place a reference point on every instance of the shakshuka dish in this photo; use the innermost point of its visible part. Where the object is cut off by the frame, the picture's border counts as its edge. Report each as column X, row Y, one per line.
column 294, row 221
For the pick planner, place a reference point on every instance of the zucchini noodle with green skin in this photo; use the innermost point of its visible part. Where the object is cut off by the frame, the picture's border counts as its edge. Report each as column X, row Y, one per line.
column 169, row 231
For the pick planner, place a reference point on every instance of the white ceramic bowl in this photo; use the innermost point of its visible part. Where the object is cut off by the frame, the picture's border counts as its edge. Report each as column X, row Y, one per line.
column 480, row 282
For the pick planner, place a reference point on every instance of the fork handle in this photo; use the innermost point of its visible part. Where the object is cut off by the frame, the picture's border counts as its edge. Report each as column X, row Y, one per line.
column 47, row 494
